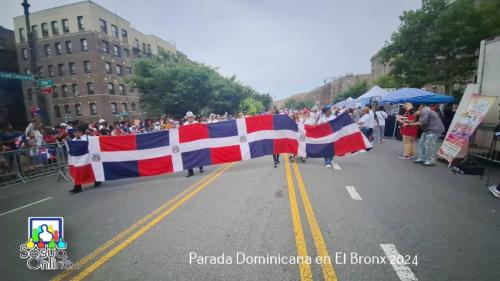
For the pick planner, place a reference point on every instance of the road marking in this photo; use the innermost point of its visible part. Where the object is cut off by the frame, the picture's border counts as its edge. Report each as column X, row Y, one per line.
column 404, row 272
column 336, row 166
column 319, row 242
column 147, row 227
column 27, row 205
column 352, row 191
column 300, row 241
column 131, row 228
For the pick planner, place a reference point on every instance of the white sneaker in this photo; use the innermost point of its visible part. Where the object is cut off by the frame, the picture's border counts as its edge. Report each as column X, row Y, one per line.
column 494, row 190
column 328, row 166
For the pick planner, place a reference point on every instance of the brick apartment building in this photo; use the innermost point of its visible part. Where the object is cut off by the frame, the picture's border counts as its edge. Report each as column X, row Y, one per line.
column 88, row 52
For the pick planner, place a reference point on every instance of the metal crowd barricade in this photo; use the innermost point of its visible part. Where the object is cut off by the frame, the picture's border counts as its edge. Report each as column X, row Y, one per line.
column 23, row 165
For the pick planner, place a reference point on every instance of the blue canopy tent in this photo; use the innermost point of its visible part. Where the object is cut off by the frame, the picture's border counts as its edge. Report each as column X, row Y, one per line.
column 404, row 94
column 414, row 95
column 434, row 99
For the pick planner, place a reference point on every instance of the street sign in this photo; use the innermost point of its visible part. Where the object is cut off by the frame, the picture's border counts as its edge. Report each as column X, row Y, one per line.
column 12, row 75
column 45, row 83
column 47, row 90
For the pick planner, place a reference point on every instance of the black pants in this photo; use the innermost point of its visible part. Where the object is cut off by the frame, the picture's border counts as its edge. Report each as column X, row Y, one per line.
column 192, row 172
column 276, row 157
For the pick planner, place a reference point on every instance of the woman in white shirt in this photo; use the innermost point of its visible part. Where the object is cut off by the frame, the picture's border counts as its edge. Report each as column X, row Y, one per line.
column 367, row 122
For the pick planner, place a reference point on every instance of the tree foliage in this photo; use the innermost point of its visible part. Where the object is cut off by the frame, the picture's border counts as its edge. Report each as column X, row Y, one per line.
column 173, row 85
column 251, row 106
column 439, row 43
column 388, row 82
column 301, row 104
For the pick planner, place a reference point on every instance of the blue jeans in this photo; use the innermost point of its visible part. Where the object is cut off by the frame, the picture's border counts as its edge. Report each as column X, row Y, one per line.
column 426, row 147
column 328, row 160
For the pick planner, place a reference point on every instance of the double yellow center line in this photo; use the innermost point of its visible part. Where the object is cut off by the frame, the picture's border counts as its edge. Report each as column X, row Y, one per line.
column 154, row 217
column 319, row 242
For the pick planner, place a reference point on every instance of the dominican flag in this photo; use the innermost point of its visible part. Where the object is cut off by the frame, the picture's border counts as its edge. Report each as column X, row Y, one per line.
column 137, row 155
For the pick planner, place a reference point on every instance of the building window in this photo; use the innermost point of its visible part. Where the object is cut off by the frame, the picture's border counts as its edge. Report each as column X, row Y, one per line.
column 58, row 48
column 78, row 110
column 25, row 53
column 136, row 41
column 81, row 23
column 121, row 89
column 75, row 89
column 103, row 26
column 86, row 66
column 93, row 109
column 51, row 71
column 90, row 88
column 132, row 106
column 57, row 111
column 124, row 107
column 143, row 47
column 65, row 25
column 119, row 70
column 69, row 47
column 60, row 68
column 129, row 70
column 72, row 69
column 47, row 50
column 124, row 35
column 40, row 72
column 34, row 30
column 149, row 49
column 116, row 50
column 45, row 30
column 108, row 67
column 111, row 88
column 30, row 94
column 114, row 110
column 54, row 92
column 67, row 109
column 114, row 31
column 55, row 28
column 105, row 46
column 22, row 38
column 64, row 89
column 126, row 53
column 84, row 45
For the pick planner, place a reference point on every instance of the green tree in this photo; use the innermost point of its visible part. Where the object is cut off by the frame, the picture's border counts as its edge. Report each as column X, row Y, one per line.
column 171, row 84
column 388, row 82
column 438, row 43
column 251, row 106
column 291, row 103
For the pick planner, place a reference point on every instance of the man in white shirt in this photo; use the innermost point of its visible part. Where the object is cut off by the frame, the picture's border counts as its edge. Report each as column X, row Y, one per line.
column 189, row 121
column 325, row 117
column 80, row 136
column 212, row 119
column 367, row 122
column 379, row 129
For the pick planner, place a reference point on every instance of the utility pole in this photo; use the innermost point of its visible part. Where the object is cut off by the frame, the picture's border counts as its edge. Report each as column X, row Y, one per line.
column 31, row 41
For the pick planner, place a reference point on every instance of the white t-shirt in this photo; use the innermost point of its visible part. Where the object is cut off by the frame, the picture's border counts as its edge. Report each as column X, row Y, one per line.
column 368, row 120
column 323, row 119
column 381, row 115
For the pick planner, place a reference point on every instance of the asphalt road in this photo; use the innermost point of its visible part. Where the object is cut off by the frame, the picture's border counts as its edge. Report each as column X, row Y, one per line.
column 168, row 227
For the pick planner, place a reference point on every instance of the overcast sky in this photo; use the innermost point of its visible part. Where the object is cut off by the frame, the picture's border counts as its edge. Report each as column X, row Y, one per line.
column 276, row 46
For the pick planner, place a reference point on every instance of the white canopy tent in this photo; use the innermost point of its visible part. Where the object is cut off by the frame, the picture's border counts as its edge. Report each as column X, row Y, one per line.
column 375, row 91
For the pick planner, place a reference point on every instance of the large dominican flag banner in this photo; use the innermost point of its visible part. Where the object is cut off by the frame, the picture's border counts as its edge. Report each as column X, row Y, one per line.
column 117, row 157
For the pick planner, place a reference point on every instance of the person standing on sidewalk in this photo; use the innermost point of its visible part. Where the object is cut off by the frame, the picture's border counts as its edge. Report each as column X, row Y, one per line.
column 408, row 132
column 380, row 126
column 432, row 127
